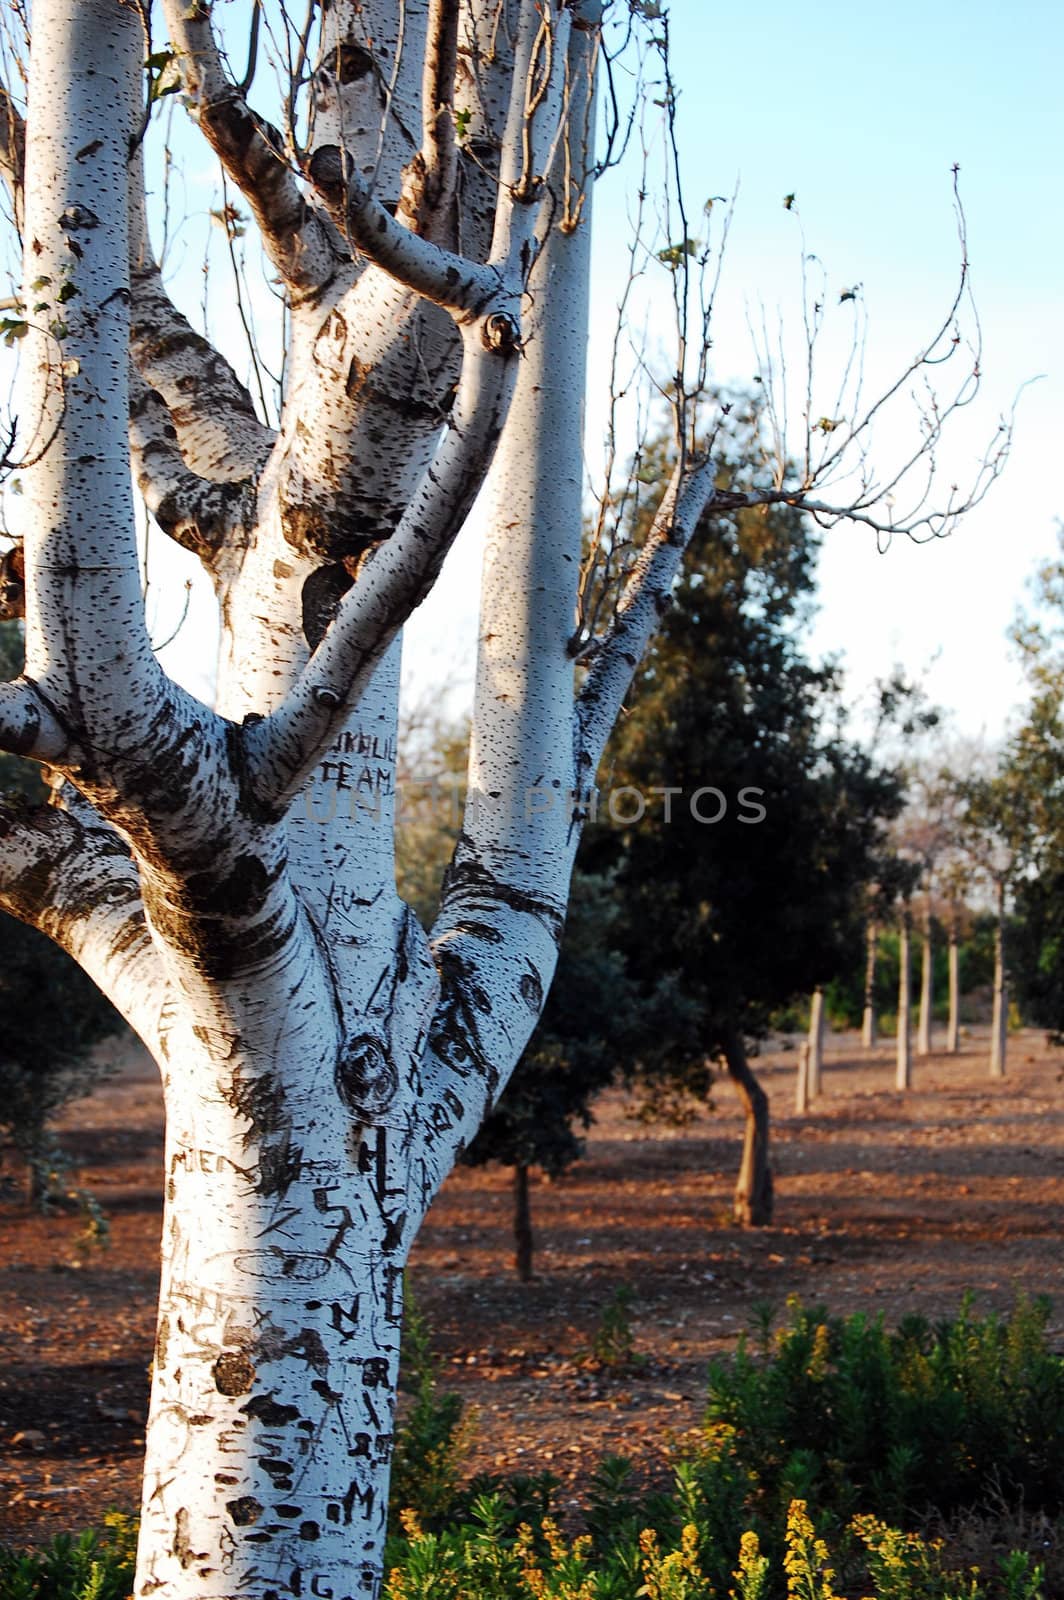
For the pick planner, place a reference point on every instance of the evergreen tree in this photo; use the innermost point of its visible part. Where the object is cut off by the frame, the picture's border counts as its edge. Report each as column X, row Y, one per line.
column 745, row 882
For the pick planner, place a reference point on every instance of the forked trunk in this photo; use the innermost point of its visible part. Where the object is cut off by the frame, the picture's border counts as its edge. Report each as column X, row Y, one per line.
column 868, row 1020
column 903, row 1071
column 753, row 1190
column 524, row 1242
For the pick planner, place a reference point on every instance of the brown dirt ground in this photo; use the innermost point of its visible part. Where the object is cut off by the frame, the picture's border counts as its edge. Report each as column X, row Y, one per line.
column 885, row 1202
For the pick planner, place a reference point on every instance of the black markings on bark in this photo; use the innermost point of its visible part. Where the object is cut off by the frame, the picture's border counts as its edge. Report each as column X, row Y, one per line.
column 531, row 987
column 350, row 62
column 367, row 1080
column 321, row 597
column 182, row 1546
column 279, row 1167
column 260, row 1100
column 270, row 1412
column 455, row 1031
column 466, row 881
column 244, row 1511
column 234, row 1373
column 309, row 1530
column 278, row 1471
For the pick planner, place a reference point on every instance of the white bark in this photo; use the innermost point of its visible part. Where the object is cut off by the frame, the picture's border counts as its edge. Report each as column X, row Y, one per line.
column 868, row 1019
column 999, row 1026
column 228, row 876
column 816, row 1042
column 903, row 1069
column 801, row 1087
column 953, row 1027
column 923, row 1033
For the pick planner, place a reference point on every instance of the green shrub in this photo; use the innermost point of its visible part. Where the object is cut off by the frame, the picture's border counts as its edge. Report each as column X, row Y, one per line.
column 94, row 1566
column 855, row 1418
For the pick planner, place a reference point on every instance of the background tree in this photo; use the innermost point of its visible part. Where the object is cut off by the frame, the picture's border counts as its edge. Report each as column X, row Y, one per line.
column 744, row 876
column 998, row 834
column 1035, row 773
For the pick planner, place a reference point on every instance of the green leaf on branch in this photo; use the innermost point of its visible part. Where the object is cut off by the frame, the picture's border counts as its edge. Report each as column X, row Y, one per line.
column 164, row 75
column 12, row 328
column 674, row 254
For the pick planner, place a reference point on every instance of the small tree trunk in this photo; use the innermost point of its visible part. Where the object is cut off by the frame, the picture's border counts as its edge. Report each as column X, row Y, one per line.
column 868, row 1021
column 753, row 1190
column 1000, row 1022
column 923, row 1034
column 903, row 1076
column 801, row 1092
column 816, row 1042
column 524, row 1243
column 953, row 1030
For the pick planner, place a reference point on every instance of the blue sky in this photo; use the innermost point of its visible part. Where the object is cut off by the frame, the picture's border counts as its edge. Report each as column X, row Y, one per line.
column 861, row 112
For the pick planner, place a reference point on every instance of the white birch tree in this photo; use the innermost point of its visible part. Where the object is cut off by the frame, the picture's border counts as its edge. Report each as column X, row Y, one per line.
column 323, row 1060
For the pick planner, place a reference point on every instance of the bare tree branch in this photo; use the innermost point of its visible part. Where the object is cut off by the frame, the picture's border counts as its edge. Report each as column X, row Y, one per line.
column 462, row 286
column 646, row 595
column 300, row 242
column 428, row 196
column 282, row 748
column 74, row 879
column 217, row 430
column 201, row 515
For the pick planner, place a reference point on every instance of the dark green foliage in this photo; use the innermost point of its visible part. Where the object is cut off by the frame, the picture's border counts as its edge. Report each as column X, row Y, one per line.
column 93, row 1566
column 53, row 1015
column 595, row 1024
column 744, row 913
column 855, row 1418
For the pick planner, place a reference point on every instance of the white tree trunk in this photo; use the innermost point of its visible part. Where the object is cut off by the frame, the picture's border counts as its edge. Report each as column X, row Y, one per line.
column 999, row 1025
column 903, row 1070
column 816, row 1042
column 923, row 1034
column 953, row 1029
column 801, row 1088
column 868, row 1019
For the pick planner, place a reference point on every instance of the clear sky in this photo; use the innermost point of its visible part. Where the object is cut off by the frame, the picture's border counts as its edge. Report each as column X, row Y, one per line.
column 861, row 112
